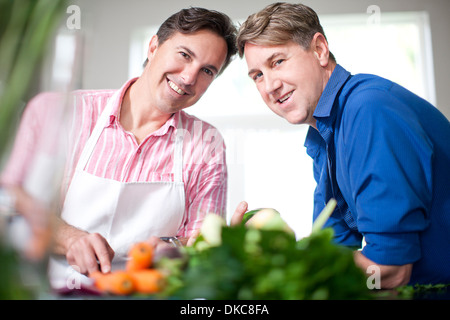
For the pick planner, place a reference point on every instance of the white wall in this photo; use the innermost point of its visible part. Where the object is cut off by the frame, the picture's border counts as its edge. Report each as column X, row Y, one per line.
column 107, row 26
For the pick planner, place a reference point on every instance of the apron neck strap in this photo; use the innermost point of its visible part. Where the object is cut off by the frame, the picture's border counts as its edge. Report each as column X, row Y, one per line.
column 102, row 121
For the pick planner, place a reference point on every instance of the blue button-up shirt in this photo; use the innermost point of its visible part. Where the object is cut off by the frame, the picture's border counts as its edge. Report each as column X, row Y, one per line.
column 384, row 154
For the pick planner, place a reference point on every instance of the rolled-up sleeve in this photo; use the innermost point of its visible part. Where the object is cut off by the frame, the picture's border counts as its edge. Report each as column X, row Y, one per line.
column 392, row 248
column 388, row 164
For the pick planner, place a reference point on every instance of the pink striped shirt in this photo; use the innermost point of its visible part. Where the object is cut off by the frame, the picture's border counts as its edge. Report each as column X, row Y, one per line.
column 118, row 156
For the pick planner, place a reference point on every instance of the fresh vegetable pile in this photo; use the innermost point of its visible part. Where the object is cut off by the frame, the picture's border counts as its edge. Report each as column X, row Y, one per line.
column 259, row 259
column 139, row 275
column 263, row 260
column 439, row 291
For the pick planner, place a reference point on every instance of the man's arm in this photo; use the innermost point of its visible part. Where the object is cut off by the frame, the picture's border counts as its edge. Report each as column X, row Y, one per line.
column 390, row 276
column 386, row 172
column 88, row 251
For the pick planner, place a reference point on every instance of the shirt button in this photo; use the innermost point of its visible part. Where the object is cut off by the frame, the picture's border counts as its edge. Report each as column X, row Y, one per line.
column 139, row 150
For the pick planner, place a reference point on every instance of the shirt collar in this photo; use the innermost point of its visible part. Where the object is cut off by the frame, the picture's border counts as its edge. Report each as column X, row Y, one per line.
column 323, row 112
column 172, row 122
column 117, row 102
column 334, row 84
column 114, row 116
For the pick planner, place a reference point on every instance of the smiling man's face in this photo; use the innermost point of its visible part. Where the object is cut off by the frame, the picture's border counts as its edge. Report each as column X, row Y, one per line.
column 181, row 69
column 289, row 78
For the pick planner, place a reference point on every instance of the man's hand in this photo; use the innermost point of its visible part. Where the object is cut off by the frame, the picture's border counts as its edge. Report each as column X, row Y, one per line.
column 158, row 244
column 88, row 251
column 235, row 220
column 239, row 213
column 390, row 276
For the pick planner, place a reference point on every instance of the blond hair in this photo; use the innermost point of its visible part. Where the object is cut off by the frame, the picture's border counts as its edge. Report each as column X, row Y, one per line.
column 279, row 23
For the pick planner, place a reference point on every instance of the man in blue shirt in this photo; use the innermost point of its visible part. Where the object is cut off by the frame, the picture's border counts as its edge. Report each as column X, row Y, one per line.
column 382, row 152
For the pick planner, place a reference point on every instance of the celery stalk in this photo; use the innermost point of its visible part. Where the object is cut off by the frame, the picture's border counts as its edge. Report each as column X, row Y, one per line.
column 323, row 216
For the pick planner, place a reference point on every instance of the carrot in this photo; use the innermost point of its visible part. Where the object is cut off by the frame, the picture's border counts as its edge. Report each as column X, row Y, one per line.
column 118, row 282
column 147, row 281
column 141, row 256
column 137, row 276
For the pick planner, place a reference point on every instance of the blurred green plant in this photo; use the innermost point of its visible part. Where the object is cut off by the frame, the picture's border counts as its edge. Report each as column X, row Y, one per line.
column 26, row 27
column 11, row 286
column 252, row 264
column 264, row 261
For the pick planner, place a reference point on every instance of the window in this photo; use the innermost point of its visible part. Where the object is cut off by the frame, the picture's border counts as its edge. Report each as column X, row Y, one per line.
column 398, row 47
column 268, row 165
